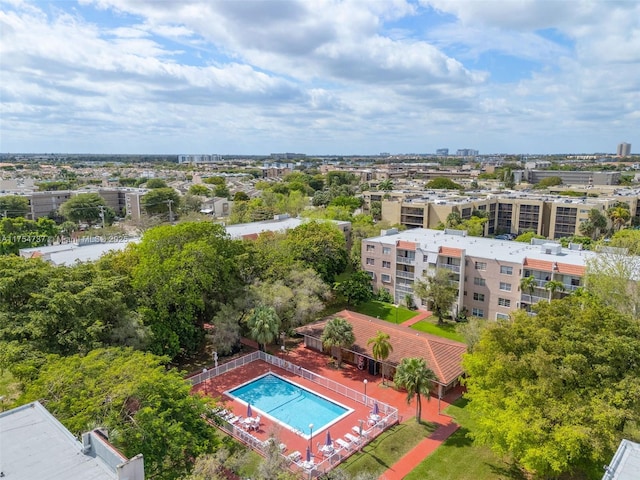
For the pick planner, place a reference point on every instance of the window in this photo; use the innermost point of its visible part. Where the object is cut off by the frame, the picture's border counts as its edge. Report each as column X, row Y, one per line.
column 479, row 281
column 371, row 274
column 477, row 312
column 371, row 248
column 506, row 270
column 386, row 250
column 505, row 286
column 502, row 316
column 481, row 265
column 385, row 278
column 386, row 264
column 478, row 296
column 370, row 261
column 504, row 302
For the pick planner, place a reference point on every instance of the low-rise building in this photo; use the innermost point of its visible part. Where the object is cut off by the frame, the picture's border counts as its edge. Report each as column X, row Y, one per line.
column 35, row 445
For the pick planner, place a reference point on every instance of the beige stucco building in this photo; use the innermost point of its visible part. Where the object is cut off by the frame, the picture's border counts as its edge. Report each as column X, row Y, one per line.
column 487, row 272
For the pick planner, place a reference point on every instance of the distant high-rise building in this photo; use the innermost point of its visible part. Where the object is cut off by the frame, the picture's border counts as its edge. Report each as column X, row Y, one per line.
column 467, row 152
column 442, row 151
column 624, row 149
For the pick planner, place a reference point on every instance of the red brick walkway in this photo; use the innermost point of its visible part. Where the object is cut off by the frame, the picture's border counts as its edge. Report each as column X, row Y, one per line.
column 422, row 314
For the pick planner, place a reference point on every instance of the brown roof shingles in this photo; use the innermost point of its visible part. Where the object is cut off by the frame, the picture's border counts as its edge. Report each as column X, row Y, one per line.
column 443, row 356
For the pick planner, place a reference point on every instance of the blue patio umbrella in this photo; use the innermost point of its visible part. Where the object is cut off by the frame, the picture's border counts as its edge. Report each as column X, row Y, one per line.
column 376, row 409
column 328, row 441
column 249, row 412
column 308, row 454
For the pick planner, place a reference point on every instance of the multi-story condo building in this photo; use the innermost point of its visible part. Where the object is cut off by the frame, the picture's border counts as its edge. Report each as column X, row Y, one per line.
column 487, row 272
column 624, row 149
column 576, row 177
column 551, row 216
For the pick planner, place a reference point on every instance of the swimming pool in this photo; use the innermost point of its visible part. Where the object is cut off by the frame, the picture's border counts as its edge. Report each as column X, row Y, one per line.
column 289, row 404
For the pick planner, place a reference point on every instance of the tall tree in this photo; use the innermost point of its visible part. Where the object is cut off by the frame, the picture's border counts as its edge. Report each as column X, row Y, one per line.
column 145, row 408
column 386, row 185
column 553, row 286
column 608, row 277
column 264, row 325
column 161, row 201
column 338, row 334
column 357, row 288
column 13, row 206
column 381, row 349
column 528, row 284
column 416, row 378
column 88, row 208
column 619, row 216
column 319, row 245
column 557, row 390
column 182, row 275
column 439, row 290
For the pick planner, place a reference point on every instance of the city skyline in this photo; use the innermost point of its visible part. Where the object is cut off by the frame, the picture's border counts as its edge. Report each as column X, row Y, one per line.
column 248, row 77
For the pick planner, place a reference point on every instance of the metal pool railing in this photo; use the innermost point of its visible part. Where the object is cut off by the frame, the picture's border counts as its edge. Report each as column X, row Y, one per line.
column 388, row 414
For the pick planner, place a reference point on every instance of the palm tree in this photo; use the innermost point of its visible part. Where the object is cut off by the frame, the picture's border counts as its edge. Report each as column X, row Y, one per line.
column 338, row 334
column 619, row 216
column 385, row 185
column 264, row 325
column 416, row 378
column 528, row 284
column 381, row 349
column 551, row 286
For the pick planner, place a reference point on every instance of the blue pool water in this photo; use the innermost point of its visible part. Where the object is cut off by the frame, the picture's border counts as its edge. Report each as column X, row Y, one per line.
column 289, row 403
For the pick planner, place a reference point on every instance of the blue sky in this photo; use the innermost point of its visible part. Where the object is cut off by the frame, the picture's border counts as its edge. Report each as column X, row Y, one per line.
column 319, row 76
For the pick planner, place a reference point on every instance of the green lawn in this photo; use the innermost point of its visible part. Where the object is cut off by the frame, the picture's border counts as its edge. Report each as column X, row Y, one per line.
column 388, row 448
column 446, row 330
column 8, row 389
column 384, row 311
column 459, row 459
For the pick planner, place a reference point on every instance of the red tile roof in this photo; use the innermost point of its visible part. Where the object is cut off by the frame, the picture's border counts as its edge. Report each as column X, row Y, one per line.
column 543, row 265
column 443, row 356
column 568, row 269
column 451, row 252
column 404, row 245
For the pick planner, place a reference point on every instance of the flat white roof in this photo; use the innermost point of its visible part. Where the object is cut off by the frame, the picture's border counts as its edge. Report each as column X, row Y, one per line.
column 503, row 250
column 33, row 444
column 277, row 225
column 625, row 464
column 70, row 253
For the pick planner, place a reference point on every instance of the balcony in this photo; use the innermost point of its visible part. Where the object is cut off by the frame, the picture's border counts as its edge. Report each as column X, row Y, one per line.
column 401, row 274
column 453, row 268
column 404, row 288
column 405, row 260
column 532, row 299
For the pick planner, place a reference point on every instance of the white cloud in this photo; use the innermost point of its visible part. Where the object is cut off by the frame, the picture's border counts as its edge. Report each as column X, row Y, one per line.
column 352, row 76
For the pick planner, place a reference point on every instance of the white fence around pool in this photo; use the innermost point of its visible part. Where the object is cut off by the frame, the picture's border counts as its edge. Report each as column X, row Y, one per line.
column 388, row 414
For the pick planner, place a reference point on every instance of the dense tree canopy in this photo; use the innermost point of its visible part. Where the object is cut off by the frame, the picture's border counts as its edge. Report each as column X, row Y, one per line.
column 88, row 208
column 556, row 390
column 183, row 274
column 159, row 200
column 319, row 245
column 13, row 206
column 145, row 408
column 443, row 183
column 439, row 290
column 17, row 233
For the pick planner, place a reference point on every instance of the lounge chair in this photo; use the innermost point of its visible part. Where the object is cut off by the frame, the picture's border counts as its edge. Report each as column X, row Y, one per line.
column 352, row 438
column 356, row 429
column 343, row 444
column 295, row 457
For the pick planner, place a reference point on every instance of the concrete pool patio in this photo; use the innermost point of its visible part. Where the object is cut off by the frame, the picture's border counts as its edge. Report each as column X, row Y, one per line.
column 352, row 380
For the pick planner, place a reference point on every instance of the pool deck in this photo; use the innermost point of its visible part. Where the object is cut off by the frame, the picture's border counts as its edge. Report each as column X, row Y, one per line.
column 349, row 376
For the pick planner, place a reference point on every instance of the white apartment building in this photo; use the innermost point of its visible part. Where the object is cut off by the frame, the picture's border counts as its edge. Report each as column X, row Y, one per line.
column 487, row 271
